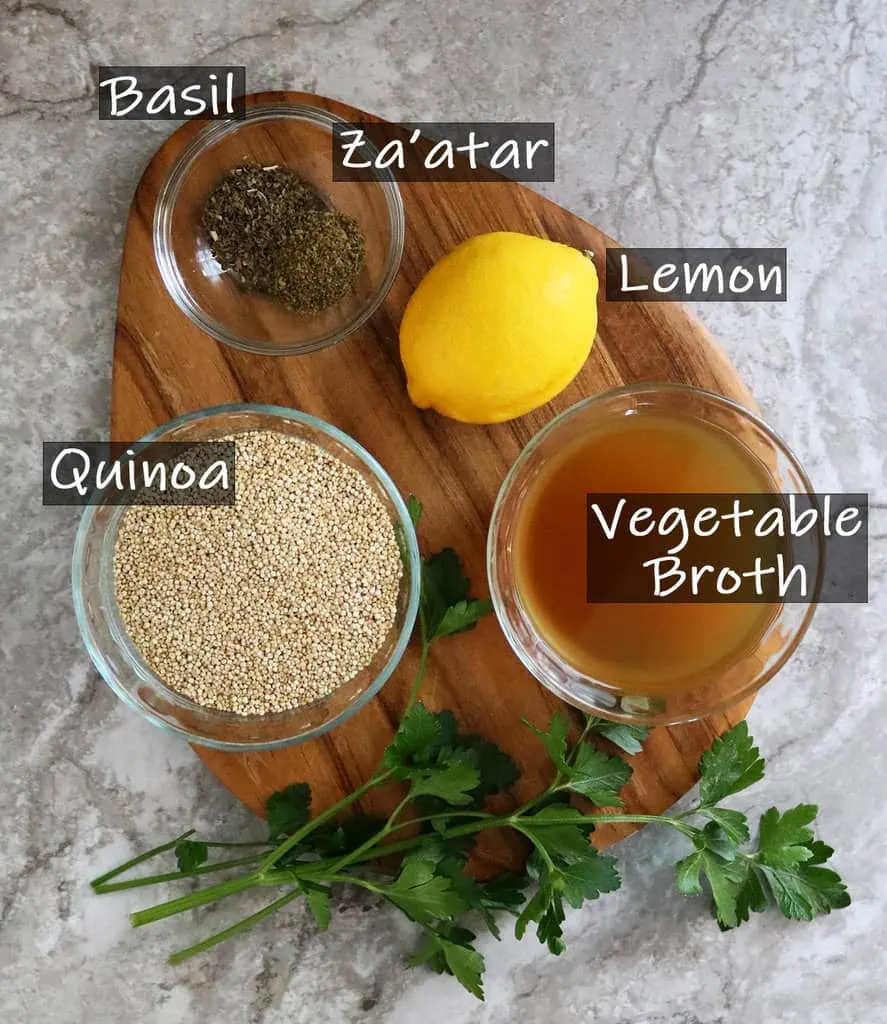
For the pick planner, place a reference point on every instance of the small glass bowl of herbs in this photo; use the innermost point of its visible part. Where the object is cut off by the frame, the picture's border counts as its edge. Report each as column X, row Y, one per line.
column 260, row 248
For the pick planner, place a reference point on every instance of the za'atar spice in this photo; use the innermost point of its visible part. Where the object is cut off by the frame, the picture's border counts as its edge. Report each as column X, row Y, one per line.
column 279, row 236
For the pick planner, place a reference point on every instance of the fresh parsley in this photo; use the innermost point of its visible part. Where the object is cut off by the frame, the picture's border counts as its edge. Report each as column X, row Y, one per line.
column 731, row 764
column 445, row 607
column 446, row 779
column 628, row 738
column 191, row 854
column 288, row 810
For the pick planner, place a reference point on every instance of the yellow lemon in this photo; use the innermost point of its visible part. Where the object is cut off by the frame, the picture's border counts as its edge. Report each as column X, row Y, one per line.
column 499, row 326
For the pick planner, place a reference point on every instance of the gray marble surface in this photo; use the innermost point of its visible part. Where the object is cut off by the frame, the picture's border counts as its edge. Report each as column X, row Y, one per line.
column 704, row 123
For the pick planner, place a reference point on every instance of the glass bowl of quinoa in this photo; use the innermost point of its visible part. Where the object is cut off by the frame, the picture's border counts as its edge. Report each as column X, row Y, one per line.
column 261, row 623
column 260, row 247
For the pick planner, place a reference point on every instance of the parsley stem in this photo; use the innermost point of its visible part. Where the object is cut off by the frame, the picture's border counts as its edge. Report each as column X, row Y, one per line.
column 530, row 804
column 235, row 929
column 420, row 673
column 395, row 814
column 558, row 782
column 389, row 825
column 486, row 820
column 611, row 819
column 140, row 859
column 504, row 821
column 175, row 876
column 699, row 809
column 538, row 847
column 376, row 779
column 374, row 840
column 194, row 899
column 376, row 849
column 248, row 846
column 586, row 729
column 364, row 883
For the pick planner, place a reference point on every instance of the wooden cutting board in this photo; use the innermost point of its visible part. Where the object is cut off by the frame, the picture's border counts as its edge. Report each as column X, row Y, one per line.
column 164, row 366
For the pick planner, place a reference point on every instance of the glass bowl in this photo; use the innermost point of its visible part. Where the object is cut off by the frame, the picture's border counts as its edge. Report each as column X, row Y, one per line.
column 299, row 137
column 120, row 663
column 708, row 694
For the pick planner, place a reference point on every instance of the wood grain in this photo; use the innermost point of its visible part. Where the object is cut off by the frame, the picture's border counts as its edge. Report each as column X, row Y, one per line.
column 164, row 366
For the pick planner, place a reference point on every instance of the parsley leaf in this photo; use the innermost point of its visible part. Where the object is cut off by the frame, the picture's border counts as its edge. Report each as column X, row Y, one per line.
column 318, row 900
column 597, row 776
column 545, row 907
column 288, row 810
column 715, row 839
column 505, row 892
column 418, row 738
column 554, row 738
column 791, row 862
column 630, row 738
column 414, row 510
column 190, row 854
column 452, row 780
column 804, row 891
column 449, row 950
column 586, row 879
column 445, row 606
column 441, row 763
column 466, row 964
column 752, row 896
column 719, row 859
column 784, row 839
column 726, row 879
column 444, row 584
column 422, row 893
column 731, row 764
column 566, row 842
column 734, row 823
column 821, row 852
column 452, row 866
column 575, row 880
column 484, row 899
column 787, row 867
column 686, row 874
column 340, row 836
column 497, row 770
column 462, row 616
column 586, row 770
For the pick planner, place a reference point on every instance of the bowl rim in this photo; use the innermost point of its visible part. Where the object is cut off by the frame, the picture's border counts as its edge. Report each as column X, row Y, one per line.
column 408, row 533
column 167, row 199
column 496, row 589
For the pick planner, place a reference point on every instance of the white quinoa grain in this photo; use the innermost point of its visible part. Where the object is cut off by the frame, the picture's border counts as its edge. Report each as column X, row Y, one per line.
column 269, row 604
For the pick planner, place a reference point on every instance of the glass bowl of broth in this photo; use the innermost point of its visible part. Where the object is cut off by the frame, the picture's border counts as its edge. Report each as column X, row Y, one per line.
column 297, row 138
column 583, row 592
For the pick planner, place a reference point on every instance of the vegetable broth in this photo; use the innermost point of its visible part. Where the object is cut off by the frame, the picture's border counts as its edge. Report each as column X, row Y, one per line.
column 650, row 646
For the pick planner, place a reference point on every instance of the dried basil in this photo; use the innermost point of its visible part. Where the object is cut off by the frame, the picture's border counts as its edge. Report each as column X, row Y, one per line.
column 277, row 234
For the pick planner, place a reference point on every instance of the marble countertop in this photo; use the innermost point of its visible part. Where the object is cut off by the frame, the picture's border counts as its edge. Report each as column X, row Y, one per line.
column 712, row 122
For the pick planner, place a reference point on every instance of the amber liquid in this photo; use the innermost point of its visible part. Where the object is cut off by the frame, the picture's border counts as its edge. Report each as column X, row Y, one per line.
column 650, row 647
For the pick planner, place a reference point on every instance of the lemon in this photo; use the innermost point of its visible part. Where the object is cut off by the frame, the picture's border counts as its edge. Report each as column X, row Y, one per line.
column 499, row 326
